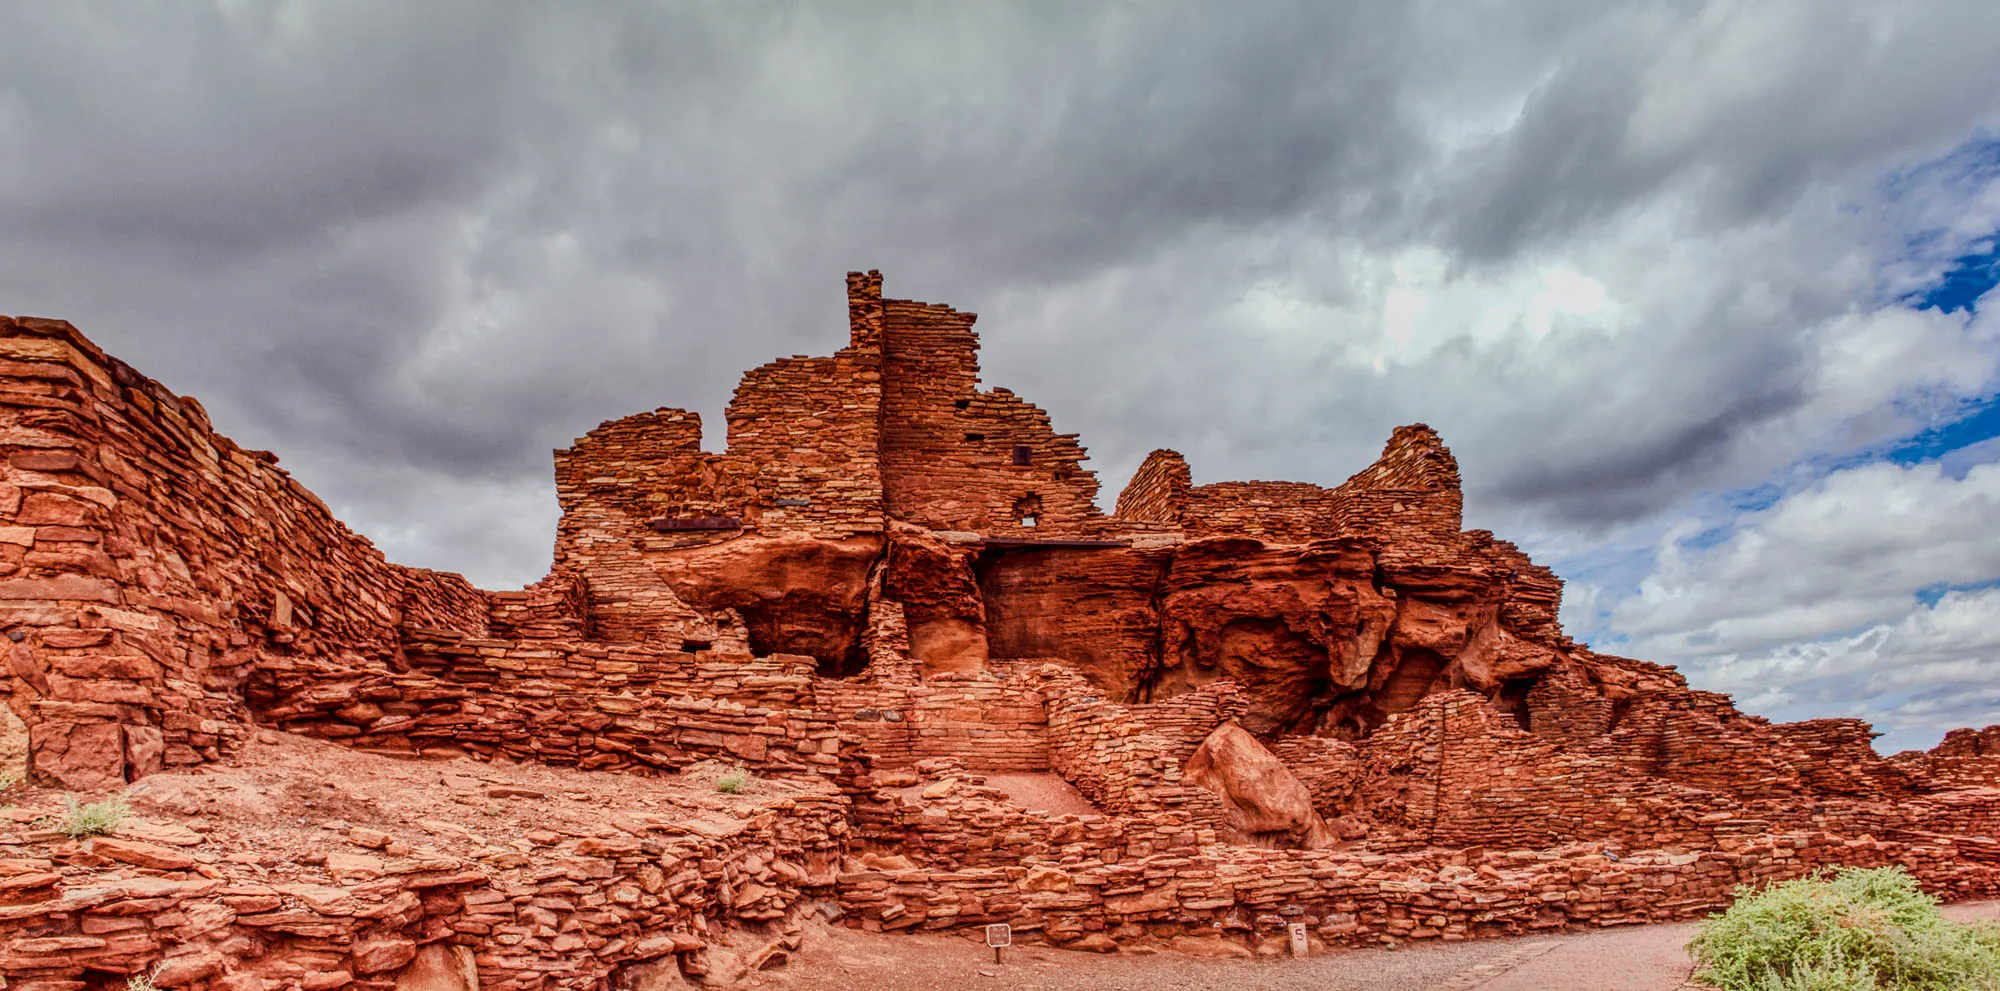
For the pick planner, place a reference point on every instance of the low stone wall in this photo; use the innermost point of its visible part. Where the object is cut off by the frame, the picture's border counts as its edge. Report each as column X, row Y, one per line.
column 1351, row 898
column 779, row 680
column 1965, row 757
column 988, row 723
column 638, row 731
column 1127, row 759
column 954, row 820
column 565, row 916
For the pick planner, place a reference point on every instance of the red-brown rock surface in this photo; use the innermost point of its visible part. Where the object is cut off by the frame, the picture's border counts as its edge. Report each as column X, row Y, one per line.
column 1264, row 803
column 891, row 584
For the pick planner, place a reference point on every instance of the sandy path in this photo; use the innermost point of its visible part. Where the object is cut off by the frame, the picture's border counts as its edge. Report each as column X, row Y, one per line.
column 1632, row 958
column 1036, row 792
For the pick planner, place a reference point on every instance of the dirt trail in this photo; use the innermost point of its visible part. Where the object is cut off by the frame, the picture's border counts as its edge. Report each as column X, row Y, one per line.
column 1635, row 958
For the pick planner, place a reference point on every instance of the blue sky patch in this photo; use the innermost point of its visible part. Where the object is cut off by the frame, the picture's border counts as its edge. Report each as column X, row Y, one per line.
column 1981, row 424
column 1931, row 595
column 1970, row 277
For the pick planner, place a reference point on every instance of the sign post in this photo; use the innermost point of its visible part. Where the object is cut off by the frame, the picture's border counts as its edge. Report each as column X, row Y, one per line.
column 1298, row 939
column 998, row 935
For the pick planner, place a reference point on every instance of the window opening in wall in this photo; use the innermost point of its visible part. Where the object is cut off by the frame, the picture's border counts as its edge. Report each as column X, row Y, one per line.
column 975, row 437
column 961, row 403
column 1023, row 454
column 696, row 646
column 1028, row 509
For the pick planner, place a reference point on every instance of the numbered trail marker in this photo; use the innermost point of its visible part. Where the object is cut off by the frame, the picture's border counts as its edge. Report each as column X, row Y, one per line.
column 1298, row 939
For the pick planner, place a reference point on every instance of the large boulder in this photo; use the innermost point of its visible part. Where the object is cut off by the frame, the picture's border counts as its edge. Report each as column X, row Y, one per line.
column 1266, row 804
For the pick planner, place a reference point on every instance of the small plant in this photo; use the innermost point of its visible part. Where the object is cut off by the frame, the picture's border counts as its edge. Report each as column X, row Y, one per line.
column 734, row 782
column 9, row 780
column 144, row 982
column 94, row 819
column 1856, row 929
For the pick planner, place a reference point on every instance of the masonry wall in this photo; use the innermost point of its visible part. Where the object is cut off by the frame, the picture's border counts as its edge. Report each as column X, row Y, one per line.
column 805, row 433
column 582, row 912
column 802, row 459
column 150, row 565
column 1158, row 491
column 1249, row 895
column 611, row 484
column 971, row 825
column 1413, row 488
column 1128, row 759
column 1963, row 757
column 1281, row 512
column 986, row 723
column 589, row 706
column 949, row 451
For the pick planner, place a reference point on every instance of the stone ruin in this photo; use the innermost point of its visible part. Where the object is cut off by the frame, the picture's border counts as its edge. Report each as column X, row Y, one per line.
column 1265, row 702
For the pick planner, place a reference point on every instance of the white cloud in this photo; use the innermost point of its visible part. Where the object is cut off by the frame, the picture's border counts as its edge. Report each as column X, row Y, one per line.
column 1814, row 603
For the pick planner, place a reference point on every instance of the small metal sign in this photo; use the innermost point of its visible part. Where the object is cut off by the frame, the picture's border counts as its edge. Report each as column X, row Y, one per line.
column 999, row 934
column 1298, row 939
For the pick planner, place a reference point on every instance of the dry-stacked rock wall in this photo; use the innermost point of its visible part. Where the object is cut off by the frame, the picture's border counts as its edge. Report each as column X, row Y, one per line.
column 151, row 564
column 893, row 591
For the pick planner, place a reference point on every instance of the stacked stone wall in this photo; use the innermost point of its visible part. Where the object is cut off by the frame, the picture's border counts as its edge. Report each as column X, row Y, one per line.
column 571, row 719
column 965, row 824
column 805, row 433
column 1365, row 898
column 611, row 484
column 1963, row 757
column 555, row 608
column 1412, row 489
column 1281, row 512
column 949, row 451
column 988, row 723
column 573, row 914
column 150, row 565
column 778, row 680
column 1128, row 759
column 1158, row 491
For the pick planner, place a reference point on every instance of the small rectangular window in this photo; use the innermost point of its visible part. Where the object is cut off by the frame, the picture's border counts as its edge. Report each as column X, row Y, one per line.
column 961, row 403
column 1023, row 454
column 975, row 437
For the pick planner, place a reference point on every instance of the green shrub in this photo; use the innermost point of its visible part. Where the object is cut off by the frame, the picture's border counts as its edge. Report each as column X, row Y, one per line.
column 734, row 782
column 1856, row 929
column 94, row 819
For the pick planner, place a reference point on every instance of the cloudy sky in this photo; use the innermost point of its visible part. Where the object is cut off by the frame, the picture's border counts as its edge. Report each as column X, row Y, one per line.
column 1693, row 289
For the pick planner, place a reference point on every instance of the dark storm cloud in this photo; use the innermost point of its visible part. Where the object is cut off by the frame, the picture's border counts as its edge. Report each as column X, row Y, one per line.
column 412, row 247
